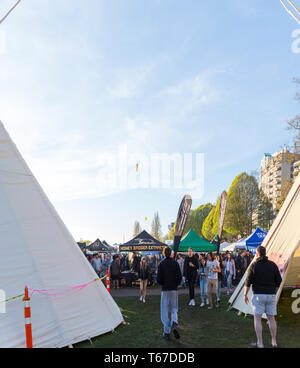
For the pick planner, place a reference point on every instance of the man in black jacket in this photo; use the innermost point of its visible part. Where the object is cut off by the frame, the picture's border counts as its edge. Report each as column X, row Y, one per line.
column 245, row 260
column 190, row 271
column 238, row 267
column 265, row 278
column 169, row 277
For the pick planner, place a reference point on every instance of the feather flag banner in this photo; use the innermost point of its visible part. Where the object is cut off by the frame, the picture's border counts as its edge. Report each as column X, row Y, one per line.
column 182, row 217
column 222, row 211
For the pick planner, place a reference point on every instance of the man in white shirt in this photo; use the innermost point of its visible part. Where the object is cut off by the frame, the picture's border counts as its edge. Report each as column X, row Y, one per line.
column 213, row 267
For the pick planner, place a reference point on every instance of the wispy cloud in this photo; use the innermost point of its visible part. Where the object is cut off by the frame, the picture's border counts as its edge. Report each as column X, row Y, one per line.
column 190, row 94
column 129, row 83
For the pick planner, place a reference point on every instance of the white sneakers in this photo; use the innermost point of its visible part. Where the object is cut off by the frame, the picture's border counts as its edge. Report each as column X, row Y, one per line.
column 202, row 305
column 144, row 300
column 141, row 299
column 192, row 302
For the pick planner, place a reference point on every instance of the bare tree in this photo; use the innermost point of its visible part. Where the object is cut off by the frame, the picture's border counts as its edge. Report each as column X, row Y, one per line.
column 294, row 123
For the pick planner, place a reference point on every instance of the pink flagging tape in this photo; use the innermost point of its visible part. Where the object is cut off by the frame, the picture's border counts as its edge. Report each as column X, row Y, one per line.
column 62, row 292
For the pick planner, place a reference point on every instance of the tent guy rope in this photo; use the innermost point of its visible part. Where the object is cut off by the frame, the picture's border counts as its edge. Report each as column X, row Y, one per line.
column 289, row 11
column 11, row 10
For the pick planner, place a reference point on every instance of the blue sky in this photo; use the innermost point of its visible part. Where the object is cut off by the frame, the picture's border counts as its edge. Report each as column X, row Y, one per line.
column 79, row 79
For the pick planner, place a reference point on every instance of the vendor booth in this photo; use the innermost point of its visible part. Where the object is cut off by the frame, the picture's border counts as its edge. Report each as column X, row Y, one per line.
column 250, row 243
column 97, row 247
column 143, row 242
column 193, row 240
column 254, row 240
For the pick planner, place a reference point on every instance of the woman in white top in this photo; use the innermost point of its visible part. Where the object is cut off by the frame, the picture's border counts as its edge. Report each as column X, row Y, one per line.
column 230, row 272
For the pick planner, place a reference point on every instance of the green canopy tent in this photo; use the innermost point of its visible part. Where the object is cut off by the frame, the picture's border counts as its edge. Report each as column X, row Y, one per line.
column 193, row 240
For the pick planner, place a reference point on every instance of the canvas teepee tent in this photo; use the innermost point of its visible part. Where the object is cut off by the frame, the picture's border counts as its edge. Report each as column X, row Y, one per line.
column 37, row 250
column 282, row 247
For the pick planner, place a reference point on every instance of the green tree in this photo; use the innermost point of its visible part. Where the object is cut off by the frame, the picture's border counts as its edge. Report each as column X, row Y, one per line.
column 242, row 204
column 156, row 227
column 195, row 220
column 265, row 212
column 285, row 189
column 208, row 224
column 136, row 229
column 171, row 234
column 87, row 242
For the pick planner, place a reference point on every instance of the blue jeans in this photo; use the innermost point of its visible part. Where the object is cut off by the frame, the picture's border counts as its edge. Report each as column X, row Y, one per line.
column 228, row 280
column 169, row 304
column 219, row 289
column 203, row 289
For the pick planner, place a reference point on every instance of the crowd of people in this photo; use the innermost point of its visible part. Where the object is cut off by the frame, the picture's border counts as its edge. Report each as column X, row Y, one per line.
column 212, row 273
column 145, row 267
column 208, row 272
column 262, row 275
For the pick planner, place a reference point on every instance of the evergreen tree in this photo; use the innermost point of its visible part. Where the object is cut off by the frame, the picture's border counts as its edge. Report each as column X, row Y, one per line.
column 265, row 212
column 136, row 229
column 156, row 227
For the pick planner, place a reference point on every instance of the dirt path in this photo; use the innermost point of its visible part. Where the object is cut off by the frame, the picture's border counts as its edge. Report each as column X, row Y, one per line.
column 134, row 291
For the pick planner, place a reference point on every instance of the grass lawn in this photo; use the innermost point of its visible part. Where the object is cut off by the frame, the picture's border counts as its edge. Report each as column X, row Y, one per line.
column 199, row 328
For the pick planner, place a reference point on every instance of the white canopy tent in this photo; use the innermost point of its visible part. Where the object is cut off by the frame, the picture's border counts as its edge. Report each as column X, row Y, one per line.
column 282, row 247
column 38, row 251
column 223, row 246
column 240, row 245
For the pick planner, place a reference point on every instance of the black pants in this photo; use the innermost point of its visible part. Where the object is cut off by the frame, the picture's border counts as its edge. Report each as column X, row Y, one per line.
column 191, row 282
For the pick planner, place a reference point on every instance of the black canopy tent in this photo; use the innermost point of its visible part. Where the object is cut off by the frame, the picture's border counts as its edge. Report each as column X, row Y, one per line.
column 97, row 246
column 81, row 245
column 109, row 247
column 141, row 243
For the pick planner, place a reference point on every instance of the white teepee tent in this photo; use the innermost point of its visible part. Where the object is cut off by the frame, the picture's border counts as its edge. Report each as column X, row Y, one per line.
column 37, row 250
column 282, row 247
